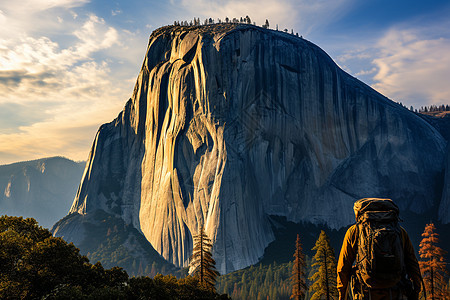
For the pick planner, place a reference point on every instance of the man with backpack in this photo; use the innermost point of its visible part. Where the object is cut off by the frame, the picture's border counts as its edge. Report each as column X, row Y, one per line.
column 385, row 264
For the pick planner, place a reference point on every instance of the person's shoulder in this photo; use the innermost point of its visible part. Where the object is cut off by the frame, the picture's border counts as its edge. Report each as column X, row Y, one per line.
column 352, row 230
column 404, row 233
column 351, row 236
column 353, row 227
column 403, row 230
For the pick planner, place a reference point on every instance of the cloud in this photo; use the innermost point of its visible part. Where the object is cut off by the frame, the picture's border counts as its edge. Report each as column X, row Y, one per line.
column 53, row 98
column 45, row 140
column 413, row 66
column 366, row 72
column 61, row 116
column 15, row 115
column 2, row 18
column 33, row 16
column 408, row 62
column 89, row 35
column 34, row 6
column 116, row 12
column 29, row 65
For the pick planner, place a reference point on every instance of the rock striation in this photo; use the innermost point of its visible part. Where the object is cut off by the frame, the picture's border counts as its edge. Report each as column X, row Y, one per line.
column 229, row 124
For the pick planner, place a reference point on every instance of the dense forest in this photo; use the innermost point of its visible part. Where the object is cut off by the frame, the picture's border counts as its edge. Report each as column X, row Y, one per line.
column 274, row 281
column 260, row 282
column 37, row 265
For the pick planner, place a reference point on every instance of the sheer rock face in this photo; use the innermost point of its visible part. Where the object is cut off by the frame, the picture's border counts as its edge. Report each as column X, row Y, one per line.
column 229, row 124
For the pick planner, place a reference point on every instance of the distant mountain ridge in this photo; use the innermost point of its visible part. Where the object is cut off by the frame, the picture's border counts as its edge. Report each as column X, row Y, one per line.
column 230, row 124
column 43, row 189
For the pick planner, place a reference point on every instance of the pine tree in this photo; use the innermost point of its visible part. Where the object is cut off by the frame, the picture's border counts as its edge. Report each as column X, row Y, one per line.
column 202, row 263
column 298, row 272
column 432, row 263
column 236, row 292
column 325, row 263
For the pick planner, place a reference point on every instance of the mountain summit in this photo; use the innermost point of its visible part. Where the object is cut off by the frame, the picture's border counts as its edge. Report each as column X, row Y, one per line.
column 229, row 124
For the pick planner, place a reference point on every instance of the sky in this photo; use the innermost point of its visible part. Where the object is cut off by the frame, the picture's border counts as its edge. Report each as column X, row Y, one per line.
column 68, row 66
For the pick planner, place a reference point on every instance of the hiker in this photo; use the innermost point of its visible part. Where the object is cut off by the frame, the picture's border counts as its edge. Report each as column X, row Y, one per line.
column 385, row 264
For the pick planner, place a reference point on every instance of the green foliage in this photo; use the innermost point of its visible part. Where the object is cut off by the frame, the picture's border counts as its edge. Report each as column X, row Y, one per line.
column 202, row 263
column 298, row 272
column 259, row 282
column 169, row 287
column 432, row 264
column 325, row 266
column 36, row 265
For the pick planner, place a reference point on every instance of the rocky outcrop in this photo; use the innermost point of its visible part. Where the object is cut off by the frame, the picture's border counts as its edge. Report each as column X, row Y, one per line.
column 42, row 189
column 231, row 123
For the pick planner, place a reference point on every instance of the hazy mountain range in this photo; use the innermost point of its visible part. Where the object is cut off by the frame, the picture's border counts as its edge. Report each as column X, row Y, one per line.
column 43, row 189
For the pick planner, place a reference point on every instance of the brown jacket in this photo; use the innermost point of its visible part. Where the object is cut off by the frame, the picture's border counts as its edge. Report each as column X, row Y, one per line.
column 348, row 255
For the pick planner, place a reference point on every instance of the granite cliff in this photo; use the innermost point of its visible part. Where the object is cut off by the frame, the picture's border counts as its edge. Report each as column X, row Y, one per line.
column 229, row 124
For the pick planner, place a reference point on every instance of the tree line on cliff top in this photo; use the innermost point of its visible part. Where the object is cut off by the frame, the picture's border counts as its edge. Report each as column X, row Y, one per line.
column 241, row 20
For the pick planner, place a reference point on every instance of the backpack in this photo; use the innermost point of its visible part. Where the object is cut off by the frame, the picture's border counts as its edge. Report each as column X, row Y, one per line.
column 379, row 258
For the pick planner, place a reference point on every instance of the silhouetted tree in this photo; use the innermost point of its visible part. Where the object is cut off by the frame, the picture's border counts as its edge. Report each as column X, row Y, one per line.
column 432, row 263
column 202, row 264
column 325, row 277
column 298, row 272
column 266, row 25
